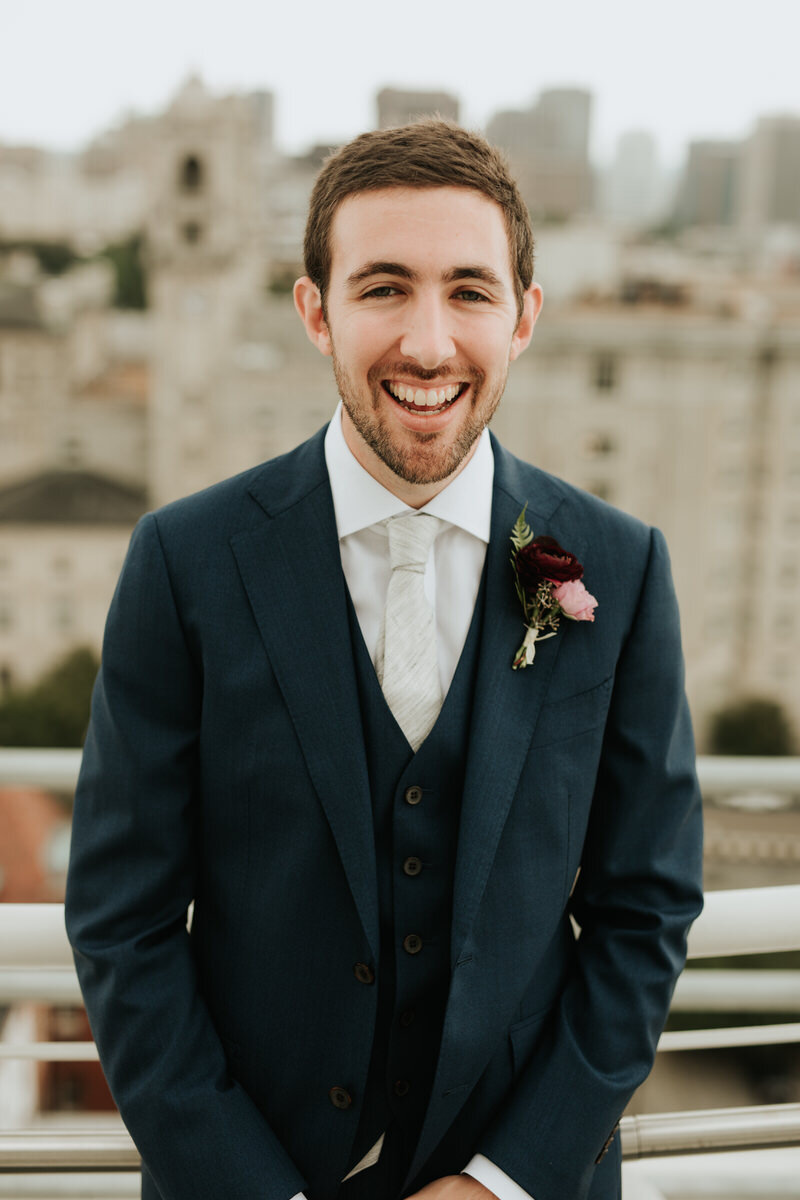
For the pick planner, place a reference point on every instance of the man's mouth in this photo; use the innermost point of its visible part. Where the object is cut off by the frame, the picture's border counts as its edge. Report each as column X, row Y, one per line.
column 424, row 399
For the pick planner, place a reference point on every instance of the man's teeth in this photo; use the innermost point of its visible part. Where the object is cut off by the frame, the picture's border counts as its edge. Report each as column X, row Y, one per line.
column 424, row 397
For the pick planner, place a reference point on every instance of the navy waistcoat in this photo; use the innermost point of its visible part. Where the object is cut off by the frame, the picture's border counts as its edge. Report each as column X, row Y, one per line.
column 416, row 800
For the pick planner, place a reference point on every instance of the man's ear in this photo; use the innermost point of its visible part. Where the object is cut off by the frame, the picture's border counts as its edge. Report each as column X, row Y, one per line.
column 308, row 302
column 531, row 307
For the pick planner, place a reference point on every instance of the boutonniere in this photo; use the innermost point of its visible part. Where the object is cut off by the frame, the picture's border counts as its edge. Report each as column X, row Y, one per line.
column 548, row 583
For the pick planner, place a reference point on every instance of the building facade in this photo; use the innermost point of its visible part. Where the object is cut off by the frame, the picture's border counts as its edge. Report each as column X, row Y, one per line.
column 672, row 389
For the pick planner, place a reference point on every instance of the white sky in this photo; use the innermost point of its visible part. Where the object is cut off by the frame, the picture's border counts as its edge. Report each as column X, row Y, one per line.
column 683, row 69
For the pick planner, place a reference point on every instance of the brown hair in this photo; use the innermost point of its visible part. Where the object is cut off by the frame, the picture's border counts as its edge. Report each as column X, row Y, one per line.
column 429, row 153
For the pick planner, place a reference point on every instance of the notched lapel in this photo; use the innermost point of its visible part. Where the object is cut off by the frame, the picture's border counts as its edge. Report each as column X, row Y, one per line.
column 292, row 572
column 505, row 709
column 505, row 712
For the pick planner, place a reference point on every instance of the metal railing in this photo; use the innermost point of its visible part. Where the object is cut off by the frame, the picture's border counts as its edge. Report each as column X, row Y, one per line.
column 36, row 964
column 718, row 774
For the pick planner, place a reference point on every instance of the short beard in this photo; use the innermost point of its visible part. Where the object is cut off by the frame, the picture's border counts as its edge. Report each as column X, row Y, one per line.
column 416, row 465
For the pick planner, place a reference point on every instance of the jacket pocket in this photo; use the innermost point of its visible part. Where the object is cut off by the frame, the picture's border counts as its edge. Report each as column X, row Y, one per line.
column 573, row 715
column 524, row 1036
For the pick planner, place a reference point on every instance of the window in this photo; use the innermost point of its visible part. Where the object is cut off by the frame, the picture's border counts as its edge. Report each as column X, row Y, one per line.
column 192, row 174
column 192, row 232
column 600, row 444
column 605, row 372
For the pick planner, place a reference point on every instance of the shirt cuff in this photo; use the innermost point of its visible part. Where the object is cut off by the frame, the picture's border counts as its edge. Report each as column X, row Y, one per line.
column 485, row 1172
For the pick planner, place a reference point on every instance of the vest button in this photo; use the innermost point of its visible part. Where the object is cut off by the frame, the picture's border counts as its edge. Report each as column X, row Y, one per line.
column 412, row 943
column 413, row 795
column 364, row 973
column 412, row 866
column 339, row 1098
column 402, row 1087
column 407, row 1018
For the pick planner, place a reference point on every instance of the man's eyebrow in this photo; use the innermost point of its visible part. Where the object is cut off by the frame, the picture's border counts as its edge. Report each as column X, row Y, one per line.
column 381, row 268
column 484, row 274
column 400, row 271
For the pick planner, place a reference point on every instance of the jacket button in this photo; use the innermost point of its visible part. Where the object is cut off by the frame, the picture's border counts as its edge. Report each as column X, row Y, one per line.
column 339, row 1098
column 412, row 943
column 407, row 1018
column 412, row 866
column 413, row 795
column 402, row 1087
column 364, row 973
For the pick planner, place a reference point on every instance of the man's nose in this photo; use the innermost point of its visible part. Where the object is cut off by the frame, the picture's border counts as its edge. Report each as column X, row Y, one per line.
column 428, row 338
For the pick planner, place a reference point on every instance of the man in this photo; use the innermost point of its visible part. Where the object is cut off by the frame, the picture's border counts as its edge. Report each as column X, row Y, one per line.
column 308, row 724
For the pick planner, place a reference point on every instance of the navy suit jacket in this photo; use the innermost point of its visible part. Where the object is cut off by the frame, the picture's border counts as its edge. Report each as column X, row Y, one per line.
column 225, row 765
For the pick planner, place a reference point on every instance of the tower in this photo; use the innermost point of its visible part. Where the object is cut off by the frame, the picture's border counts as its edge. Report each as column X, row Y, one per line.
column 205, row 265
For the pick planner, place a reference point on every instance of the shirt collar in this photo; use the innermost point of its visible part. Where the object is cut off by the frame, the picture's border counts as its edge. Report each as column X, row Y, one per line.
column 360, row 501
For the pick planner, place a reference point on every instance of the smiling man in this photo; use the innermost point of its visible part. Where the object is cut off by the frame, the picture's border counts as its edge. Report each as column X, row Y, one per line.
column 422, row 300
column 440, row 901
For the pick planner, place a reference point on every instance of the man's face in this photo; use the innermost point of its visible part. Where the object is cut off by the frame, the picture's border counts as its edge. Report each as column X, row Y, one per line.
column 421, row 321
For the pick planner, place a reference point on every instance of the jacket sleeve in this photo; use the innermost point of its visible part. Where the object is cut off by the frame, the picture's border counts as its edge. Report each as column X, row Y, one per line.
column 638, row 891
column 131, row 879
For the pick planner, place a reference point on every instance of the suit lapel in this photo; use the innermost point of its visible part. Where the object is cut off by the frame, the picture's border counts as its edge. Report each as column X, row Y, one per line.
column 507, row 702
column 506, row 707
column 291, row 569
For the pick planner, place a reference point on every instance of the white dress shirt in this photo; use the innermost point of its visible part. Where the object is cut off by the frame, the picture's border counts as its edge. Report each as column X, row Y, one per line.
column 452, row 579
column 453, row 573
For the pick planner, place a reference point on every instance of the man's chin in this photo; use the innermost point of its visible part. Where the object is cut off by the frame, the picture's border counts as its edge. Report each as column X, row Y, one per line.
column 433, row 468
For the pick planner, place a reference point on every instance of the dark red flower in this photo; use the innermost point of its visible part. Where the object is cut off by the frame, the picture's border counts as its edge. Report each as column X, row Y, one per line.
column 543, row 559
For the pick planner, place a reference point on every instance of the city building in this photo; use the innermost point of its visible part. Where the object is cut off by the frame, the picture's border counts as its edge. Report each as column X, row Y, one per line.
column 633, row 193
column 709, row 192
column 770, row 192
column 548, row 146
column 662, row 378
column 400, row 106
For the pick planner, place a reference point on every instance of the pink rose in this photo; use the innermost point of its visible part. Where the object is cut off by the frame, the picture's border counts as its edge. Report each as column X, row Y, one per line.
column 575, row 601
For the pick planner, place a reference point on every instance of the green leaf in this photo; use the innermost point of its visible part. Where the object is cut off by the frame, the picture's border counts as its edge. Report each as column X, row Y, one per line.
column 521, row 534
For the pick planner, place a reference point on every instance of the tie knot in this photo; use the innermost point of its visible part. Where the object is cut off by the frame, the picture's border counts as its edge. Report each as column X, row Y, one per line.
column 410, row 540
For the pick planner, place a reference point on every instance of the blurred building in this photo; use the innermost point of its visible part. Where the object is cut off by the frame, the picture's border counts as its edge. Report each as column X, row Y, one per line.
column 548, row 146
column 63, row 537
column 59, row 198
column 71, row 392
column 73, row 459
column 770, row 193
column 663, row 378
column 226, row 388
column 399, row 106
column 633, row 192
column 709, row 192
column 688, row 417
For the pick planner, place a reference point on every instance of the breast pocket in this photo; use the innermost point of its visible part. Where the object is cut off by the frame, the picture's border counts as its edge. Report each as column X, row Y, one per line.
column 572, row 715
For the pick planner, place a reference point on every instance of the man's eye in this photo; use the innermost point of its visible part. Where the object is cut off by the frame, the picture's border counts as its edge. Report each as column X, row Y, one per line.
column 377, row 293
column 470, row 295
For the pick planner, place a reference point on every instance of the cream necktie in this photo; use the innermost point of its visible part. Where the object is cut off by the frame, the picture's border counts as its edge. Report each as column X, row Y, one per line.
column 408, row 668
